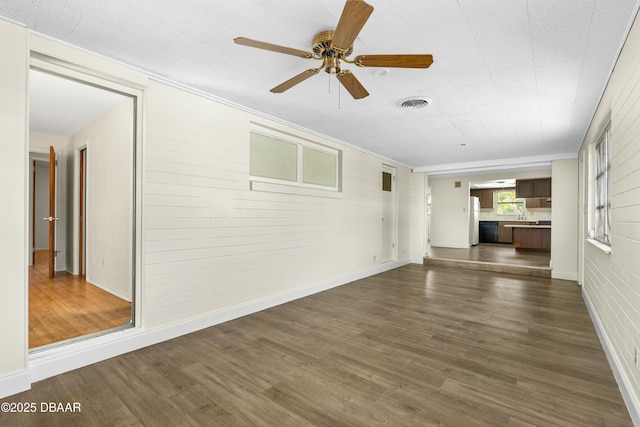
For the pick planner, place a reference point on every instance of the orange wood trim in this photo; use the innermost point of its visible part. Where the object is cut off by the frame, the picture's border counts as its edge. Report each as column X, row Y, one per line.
column 52, row 208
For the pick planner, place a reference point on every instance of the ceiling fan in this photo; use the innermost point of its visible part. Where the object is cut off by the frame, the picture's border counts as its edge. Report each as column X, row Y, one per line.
column 334, row 46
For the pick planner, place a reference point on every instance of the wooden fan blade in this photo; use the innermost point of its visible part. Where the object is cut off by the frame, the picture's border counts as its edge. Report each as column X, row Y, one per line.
column 272, row 47
column 352, row 84
column 394, row 61
column 354, row 16
column 295, row 80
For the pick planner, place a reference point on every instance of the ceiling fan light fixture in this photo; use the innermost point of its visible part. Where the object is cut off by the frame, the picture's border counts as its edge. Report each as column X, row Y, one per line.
column 332, row 65
column 414, row 103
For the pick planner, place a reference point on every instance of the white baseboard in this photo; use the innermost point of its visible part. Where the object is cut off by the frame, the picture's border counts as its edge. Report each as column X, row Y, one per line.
column 564, row 275
column 108, row 289
column 630, row 398
column 55, row 361
column 15, row 383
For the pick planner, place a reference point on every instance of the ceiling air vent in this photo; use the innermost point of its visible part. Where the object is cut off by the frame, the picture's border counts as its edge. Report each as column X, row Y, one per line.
column 414, row 103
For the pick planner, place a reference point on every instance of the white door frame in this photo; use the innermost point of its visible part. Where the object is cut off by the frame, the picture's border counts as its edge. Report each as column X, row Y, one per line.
column 391, row 254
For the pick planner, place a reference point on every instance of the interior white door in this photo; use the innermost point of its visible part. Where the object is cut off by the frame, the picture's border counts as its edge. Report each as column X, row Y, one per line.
column 388, row 215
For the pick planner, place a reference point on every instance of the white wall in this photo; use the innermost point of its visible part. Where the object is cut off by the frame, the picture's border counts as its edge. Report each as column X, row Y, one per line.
column 109, row 214
column 13, row 215
column 215, row 246
column 450, row 205
column 39, row 142
column 449, row 213
column 418, row 224
column 564, row 230
column 612, row 281
column 212, row 243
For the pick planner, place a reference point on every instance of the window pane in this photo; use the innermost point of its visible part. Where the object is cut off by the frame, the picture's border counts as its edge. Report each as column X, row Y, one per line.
column 319, row 168
column 273, row 158
column 602, row 193
column 508, row 204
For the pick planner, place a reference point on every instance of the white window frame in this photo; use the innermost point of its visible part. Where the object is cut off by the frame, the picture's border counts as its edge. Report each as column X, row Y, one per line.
column 301, row 143
column 601, row 206
column 518, row 201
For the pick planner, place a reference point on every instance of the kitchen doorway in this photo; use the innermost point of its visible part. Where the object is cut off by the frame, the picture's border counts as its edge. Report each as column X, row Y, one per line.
column 499, row 214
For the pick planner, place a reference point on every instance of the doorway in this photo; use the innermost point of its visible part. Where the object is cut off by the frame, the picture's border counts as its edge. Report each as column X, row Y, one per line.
column 90, row 132
column 388, row 245
column 499, row 211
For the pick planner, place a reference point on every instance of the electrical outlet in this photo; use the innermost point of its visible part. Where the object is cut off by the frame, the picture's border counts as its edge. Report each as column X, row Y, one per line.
column 638, row 358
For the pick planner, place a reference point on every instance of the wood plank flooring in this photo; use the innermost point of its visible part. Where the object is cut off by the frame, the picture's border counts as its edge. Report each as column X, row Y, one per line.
column 415, row 346
column 67, row 306
column 499, row 258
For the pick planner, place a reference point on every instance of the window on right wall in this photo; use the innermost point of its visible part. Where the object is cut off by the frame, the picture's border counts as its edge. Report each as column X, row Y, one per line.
column 602, row 187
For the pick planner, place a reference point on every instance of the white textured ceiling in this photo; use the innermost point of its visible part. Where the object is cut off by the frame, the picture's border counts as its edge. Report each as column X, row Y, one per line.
column 511, row 79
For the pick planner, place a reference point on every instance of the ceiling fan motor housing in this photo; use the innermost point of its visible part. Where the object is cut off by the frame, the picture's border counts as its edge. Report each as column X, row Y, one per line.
column 322, row 45
column 322, row 49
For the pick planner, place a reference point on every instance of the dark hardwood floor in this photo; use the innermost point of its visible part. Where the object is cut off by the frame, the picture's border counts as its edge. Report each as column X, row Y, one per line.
column 415, row 346
column 495, row 253
column 499, row 258
column 68, row 306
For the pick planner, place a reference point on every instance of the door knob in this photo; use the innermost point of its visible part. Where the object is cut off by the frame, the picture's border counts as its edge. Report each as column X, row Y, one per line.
column 51, row 219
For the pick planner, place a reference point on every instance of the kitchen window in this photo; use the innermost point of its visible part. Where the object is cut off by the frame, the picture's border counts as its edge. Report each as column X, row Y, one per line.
column 509, row 204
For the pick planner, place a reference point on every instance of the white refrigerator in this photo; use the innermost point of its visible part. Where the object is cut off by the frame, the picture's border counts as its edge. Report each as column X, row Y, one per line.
column 474, row 220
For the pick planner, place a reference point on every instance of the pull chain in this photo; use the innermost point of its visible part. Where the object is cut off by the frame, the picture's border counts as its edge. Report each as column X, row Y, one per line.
column 339, row 91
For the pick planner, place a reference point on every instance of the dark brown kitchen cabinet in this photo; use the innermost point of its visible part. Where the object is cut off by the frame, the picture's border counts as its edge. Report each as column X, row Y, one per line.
column 538, row 203
column 542, row 187
column 524, row 188
column 532, row 238
column 505, row 234
column 485, row 196
column 533, row 188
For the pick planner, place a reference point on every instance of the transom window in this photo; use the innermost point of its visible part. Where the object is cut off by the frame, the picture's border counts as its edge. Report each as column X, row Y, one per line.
column 282, row 158
column 509, row 204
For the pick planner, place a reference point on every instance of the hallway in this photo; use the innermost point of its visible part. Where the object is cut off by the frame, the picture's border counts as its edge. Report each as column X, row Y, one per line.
column 67, row 306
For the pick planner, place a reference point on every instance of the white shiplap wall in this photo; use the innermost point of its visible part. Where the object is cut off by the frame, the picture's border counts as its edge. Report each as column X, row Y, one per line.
column 212, row 248
column 13, row 215
column 211, row 243
column 612, row 282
